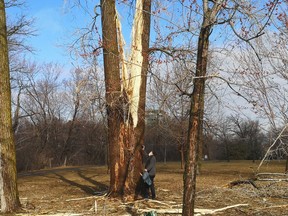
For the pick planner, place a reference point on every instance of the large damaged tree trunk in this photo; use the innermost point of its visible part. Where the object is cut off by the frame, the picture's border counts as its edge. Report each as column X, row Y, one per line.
column 125, row 81
column 138, row 70
column 113, row 95
column 8, row 173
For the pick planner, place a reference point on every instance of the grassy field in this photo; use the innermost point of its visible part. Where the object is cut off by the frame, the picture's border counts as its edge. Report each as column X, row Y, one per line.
column 80, row 191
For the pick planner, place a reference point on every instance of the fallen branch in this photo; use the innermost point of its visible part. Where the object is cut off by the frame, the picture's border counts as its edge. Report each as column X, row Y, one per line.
column 272, row 174
column 161, row 211
column 57, row 214
column 239, row 182
column 159, row 202
column 277, row 206
column 197, row 211
column 84, row 198
column 212, row 211
column 272, row 179
column 264, row 177
column 271, row 146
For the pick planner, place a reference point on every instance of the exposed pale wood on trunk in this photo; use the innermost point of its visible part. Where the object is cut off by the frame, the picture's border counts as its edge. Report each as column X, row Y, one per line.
column 136, row 93
column 125, row 81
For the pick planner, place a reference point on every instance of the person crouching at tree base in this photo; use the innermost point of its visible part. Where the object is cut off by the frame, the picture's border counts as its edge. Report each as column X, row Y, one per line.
column 149, row 175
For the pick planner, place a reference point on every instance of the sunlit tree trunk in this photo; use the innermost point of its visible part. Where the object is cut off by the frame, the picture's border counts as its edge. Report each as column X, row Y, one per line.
column 113, row 96
column 142, row 25
column 195, row 130
column 8, row 173
column 195, row 125
column 125, row 81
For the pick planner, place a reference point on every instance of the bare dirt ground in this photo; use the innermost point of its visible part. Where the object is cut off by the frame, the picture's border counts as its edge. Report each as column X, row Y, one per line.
column 81, row 191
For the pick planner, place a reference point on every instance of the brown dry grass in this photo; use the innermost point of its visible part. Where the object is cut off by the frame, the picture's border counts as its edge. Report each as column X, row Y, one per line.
column 78, row 190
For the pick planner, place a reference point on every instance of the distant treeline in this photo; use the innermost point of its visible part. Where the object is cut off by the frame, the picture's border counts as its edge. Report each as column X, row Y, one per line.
column 54, row 142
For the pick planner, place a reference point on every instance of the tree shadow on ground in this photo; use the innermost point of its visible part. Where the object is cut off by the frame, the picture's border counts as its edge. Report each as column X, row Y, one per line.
column 98, row 188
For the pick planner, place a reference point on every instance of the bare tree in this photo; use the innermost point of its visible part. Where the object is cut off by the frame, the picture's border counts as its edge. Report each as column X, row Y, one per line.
column 264, row 82
column 41, row 103
column 8, row 176
column 79, row 84
column 214, row 13
column 19, row 28
column 249, row 134
column 195, row 131
column 84, row 98
column 240, row 17
column 164, row 96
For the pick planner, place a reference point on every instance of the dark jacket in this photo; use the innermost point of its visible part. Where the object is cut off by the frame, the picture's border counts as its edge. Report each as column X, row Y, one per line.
column 150, row 165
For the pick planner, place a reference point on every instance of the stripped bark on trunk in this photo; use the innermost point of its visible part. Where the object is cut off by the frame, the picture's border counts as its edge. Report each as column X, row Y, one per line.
column 113, row 95
column 125, row 80
column 138, row 69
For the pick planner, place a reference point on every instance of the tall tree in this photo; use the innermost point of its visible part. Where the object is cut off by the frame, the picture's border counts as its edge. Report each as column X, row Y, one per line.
column 214, row 13
column 125, row 96
column 195, row 130
column 138, row 69
column 264, row 82
column 113, row 94
column 8, row 174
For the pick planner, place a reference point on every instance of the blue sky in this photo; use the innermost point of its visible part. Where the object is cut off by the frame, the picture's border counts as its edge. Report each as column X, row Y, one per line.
column 55, row 22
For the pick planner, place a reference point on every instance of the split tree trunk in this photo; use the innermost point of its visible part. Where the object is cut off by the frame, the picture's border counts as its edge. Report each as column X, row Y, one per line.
column 125, row 97
column 113, row 96
column 132, row 186
column 8, row 173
